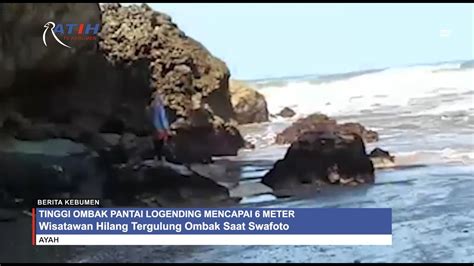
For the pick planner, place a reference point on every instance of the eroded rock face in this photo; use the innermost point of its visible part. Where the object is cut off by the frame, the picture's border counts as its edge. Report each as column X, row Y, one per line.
column 107, row 90
column 187, row 75
column 322, row 123
column 193, row 82
column 319, row 158
column 249, row 105
column 104, row 87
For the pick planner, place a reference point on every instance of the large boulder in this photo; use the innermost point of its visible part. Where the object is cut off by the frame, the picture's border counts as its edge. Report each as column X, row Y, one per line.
column 193, row 82
column 249, row 105
column 321, row 123
column 319, row 158
column 182, row 70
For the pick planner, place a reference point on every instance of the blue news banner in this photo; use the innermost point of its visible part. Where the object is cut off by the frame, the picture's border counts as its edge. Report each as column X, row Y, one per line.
column 212, row 226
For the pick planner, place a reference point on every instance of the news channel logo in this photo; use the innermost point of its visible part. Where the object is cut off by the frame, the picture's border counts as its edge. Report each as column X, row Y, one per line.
column 64, row 33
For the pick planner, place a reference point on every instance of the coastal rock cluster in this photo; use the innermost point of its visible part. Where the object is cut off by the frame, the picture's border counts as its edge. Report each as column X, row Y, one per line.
column 324, row 152
column 318, row 158
column 97, row 93
column 77, row 123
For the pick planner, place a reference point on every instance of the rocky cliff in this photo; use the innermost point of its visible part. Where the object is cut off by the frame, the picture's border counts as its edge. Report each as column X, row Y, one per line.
column 103, row 86
column 181, row 69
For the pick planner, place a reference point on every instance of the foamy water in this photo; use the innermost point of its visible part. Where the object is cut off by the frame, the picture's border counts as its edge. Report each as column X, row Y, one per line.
column 416, row 109
column 389, row 88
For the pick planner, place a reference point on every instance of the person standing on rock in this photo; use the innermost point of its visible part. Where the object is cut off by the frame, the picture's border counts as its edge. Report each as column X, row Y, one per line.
column 161, row 124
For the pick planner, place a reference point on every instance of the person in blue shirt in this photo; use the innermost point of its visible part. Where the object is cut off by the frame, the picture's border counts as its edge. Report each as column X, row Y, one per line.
column 161, row 125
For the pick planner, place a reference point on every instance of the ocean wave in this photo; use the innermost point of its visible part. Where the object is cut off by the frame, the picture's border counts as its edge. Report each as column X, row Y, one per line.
column 447, row 155
column 396, row 89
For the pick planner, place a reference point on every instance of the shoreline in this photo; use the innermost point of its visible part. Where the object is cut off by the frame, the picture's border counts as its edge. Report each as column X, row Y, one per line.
column 333, row 196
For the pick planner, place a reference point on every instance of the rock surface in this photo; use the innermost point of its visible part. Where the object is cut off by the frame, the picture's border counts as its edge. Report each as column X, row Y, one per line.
column 107, row 90
column 287, row 112
column 97, row 93
column 382, row 159
column 322, row 123
column 249, row 105
column 159, row 186
column 48, row 169
column 23, row 53
column 319, row 158
column 181, row 69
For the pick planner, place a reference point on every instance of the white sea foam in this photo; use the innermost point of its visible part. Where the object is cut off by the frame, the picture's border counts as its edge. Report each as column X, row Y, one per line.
column 396, row 87
column 433, row 100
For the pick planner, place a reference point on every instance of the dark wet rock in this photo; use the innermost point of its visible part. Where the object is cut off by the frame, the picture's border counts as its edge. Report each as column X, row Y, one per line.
column 322, row 123
column 22, row 48
column 249, row 105
column 382, row 159
column 48, row 169
column 8, row 215
column 199, row 144
column 111, row 138
column 357, row 261
column 7, row 201
column 38, row 132
column 287, row 112
column 167, row 188
column 380, row 153
column 321, row 158
column 24, row 177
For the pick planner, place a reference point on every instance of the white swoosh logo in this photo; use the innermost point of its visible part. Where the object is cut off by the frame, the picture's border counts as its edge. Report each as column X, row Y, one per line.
column 50, row 25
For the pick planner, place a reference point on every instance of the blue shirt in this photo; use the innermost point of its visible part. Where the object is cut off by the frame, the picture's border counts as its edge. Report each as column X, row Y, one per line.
column 160, row 120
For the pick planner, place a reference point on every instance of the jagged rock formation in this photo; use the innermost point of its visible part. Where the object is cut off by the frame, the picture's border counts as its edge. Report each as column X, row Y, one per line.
column 182, row 70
